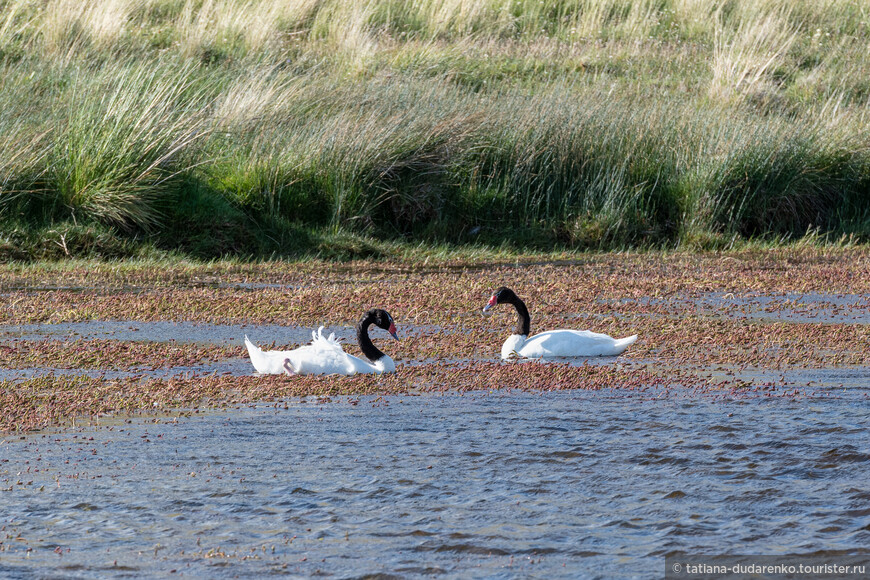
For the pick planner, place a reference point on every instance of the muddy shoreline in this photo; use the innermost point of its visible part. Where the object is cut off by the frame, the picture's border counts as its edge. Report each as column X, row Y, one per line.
column 79, row 343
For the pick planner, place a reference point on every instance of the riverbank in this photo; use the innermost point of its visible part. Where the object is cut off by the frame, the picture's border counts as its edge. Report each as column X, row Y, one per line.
column 83, row 340
column 320, row 129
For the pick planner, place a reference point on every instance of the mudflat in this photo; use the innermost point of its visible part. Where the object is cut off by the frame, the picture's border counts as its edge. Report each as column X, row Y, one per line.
column 87, row 340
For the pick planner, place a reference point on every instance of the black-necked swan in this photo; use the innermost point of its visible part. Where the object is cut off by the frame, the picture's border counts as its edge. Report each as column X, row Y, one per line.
column 325, row 356
column 553, row 343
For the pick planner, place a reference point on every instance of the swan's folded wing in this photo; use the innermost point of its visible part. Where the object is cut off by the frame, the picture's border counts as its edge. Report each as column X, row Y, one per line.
column 555, row 343
column 324, row 357
column 323, row 342
column 573, row 343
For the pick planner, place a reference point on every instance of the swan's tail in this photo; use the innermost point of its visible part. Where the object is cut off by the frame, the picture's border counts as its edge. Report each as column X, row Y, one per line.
column 258, row 359
column 623, row 343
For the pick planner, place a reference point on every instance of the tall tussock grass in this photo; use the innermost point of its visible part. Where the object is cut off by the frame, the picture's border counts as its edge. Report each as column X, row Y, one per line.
column 121, row 148
column 111, row 149
column 256, row 127
column 785, row 180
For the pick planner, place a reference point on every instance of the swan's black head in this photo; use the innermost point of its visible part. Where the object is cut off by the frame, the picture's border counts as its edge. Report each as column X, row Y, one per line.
column 501, row 296
column 381, row 318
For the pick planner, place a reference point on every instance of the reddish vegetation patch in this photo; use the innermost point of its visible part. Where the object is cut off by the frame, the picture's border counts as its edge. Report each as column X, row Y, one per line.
column 52, row 400
column 109, row 354
column 437, row 310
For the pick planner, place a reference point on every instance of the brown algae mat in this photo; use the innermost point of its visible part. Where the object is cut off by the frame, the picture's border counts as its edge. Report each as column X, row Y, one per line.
column 702, row 319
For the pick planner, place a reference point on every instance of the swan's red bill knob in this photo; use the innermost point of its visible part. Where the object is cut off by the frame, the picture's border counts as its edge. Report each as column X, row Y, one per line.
column 393, row 331
column 492, row 302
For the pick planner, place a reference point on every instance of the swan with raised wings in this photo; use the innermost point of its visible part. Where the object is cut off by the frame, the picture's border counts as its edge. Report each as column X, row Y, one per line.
column 553, row 343
column 325, row 356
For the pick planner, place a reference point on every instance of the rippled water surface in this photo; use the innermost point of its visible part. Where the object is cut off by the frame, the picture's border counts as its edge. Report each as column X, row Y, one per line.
column 552, row 485
column 498, row 485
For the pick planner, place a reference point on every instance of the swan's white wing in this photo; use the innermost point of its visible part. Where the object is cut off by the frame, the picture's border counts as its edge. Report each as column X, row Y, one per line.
column 570, row 343
column 324, row 356
column 333, row 359
column 319, row 361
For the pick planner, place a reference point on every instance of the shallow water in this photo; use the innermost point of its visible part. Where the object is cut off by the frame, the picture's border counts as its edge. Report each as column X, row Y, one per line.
column 184, row 332
column 505, row 485
column 553, row 485
column 162, row 331
column 807, row 307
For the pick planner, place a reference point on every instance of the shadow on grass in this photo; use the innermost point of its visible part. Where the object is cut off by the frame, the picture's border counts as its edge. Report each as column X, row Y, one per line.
column 202, row 223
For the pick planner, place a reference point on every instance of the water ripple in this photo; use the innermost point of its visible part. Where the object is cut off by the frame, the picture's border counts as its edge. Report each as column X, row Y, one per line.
column 571, row 484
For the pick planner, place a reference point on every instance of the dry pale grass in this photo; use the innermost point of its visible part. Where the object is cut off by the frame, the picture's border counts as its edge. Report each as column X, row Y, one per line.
column 744, row 59
column 259, row 23
column 68, row 26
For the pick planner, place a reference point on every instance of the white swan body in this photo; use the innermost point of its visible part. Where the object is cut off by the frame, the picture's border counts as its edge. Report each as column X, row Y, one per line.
column 564, row 343
column 325, row 355
column 553, row 343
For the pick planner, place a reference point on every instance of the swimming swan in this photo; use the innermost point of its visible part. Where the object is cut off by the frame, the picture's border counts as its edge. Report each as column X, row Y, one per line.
column 564, row 343
column 325, row 356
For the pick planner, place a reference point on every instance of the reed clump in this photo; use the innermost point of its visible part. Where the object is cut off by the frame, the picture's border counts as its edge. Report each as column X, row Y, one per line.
column 264, row 128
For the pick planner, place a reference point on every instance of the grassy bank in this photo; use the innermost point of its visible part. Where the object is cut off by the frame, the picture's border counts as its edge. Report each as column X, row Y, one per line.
column 258, row 128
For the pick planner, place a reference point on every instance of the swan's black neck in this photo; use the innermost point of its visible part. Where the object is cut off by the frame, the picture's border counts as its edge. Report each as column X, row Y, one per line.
column 365, row 343
column 524, row 321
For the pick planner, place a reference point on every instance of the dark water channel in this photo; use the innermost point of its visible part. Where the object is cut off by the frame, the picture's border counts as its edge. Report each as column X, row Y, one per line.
column 515, row 485
column 808, row 307
column 161, row 331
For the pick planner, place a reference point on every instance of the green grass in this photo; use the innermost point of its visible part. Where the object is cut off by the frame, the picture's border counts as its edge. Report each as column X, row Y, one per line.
column 261, row 129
